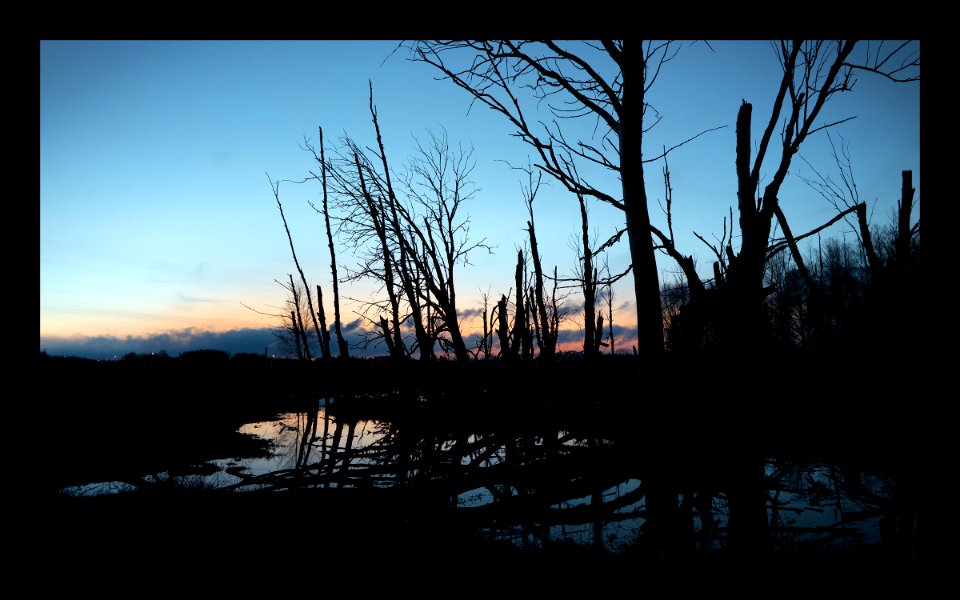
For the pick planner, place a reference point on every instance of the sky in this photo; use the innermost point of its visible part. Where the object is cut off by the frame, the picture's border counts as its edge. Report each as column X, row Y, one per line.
column 158, row 228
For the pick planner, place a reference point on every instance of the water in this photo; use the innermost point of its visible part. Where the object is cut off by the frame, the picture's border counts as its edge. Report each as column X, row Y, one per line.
column 535, row 486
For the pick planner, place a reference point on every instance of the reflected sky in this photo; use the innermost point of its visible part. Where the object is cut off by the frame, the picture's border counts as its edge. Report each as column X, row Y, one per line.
column 504, row 478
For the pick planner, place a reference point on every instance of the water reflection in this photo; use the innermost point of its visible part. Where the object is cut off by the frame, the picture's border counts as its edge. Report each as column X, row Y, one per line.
column 534, row 484
column 539, row 486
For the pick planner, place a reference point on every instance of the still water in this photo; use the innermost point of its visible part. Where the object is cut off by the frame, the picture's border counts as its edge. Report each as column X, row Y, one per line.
column 537, row 485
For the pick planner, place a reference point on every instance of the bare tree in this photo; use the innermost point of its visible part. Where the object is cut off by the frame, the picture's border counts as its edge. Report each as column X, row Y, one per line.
column 365, row 228
column 291, row 334
column 378, row 217
column 545, row 318
column 813, row 72
column 321, row 160
column 484, row 343
column 589, row 286
column 418, row 231
column 611, row 86
column 609, row 296
column 433, row 230
column 275, row 187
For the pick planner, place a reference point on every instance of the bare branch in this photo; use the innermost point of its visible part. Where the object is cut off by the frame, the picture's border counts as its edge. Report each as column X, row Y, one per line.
column 683, row 143
column 779, row 246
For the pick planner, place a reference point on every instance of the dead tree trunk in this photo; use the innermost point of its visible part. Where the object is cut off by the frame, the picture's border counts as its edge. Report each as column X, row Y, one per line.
column 385, row 327
column 341, row 342
column 516, row 349
column 485, row 342
column 276, row 194
column 408, row 280
column 407, row 270
column 744, row 326
column 902, row 243
column 379, row 223
column 598, row 335
column 527, row 350
column 902, row 261
column 873, row 261
column 610, row 311
column 429, row 241
column 588, row 285
column 502, row 327
column 645, row 278
column 546, row 337
column 298, row 324
column 296, row 334
column 324, row 332
column 742, row 296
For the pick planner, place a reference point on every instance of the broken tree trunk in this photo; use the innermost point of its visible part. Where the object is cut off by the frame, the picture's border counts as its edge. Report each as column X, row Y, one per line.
column 385, row 327
column 545, row 339
column 324, row 332
column 298, row 324
column 296, row 334
column 341, row 342
column 518, row 322
column 502, row 327
column 872, row 259
column 588, row 284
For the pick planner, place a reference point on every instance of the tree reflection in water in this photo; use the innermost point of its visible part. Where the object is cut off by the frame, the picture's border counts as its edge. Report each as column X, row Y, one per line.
column 538, row 483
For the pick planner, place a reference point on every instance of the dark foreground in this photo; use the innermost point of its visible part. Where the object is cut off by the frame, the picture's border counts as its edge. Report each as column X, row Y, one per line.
column 681, row 428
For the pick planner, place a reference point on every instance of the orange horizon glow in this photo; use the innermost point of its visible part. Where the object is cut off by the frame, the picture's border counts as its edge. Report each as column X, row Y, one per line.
column 138, row 325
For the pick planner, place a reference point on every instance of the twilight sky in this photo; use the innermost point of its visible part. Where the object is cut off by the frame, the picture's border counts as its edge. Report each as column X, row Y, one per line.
column 157, row 220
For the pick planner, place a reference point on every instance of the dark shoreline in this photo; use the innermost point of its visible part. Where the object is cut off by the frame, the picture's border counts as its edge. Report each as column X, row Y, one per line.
column 678, row 414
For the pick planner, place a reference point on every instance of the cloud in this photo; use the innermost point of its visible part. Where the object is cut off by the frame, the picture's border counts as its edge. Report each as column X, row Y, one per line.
column 355, row 325
column 176, row 342
column 470, row 313
column 573, row 338
column 173, row 342
column 235, row 341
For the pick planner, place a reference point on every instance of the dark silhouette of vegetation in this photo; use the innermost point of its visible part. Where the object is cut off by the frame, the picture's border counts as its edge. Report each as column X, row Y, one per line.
column 546, row 314
column 341, row 342
column 418, row 234
column 734, row 313
column 498, row 70
column 300, row 334
column 756, row 439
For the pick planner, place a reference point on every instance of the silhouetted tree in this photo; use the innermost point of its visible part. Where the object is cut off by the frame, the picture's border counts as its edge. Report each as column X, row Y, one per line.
column 378, row 216
column 300, row 334
column 813, row 71
column 668, row 245
column 589, row 286
column 518, row 347
column 436, row 185
column 612, row 89
column 546, row 318
column 275, row 187
column 290, row 334
column 484, row 343
column 321, row 159
column 502, row 327
column 609, row 297
column 421, row 233
column 587, row 279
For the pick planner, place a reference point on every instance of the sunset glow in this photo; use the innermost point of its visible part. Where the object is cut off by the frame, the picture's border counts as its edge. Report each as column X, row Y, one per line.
column 156, row 217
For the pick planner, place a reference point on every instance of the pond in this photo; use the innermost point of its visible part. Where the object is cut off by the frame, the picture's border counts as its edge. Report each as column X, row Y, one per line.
column 535, row 484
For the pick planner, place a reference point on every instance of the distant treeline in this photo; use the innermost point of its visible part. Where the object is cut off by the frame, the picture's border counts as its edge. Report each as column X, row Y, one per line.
column 852, row 295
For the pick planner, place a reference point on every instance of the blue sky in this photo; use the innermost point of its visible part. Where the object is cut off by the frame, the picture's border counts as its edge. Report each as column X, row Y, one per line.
column 156, row 216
